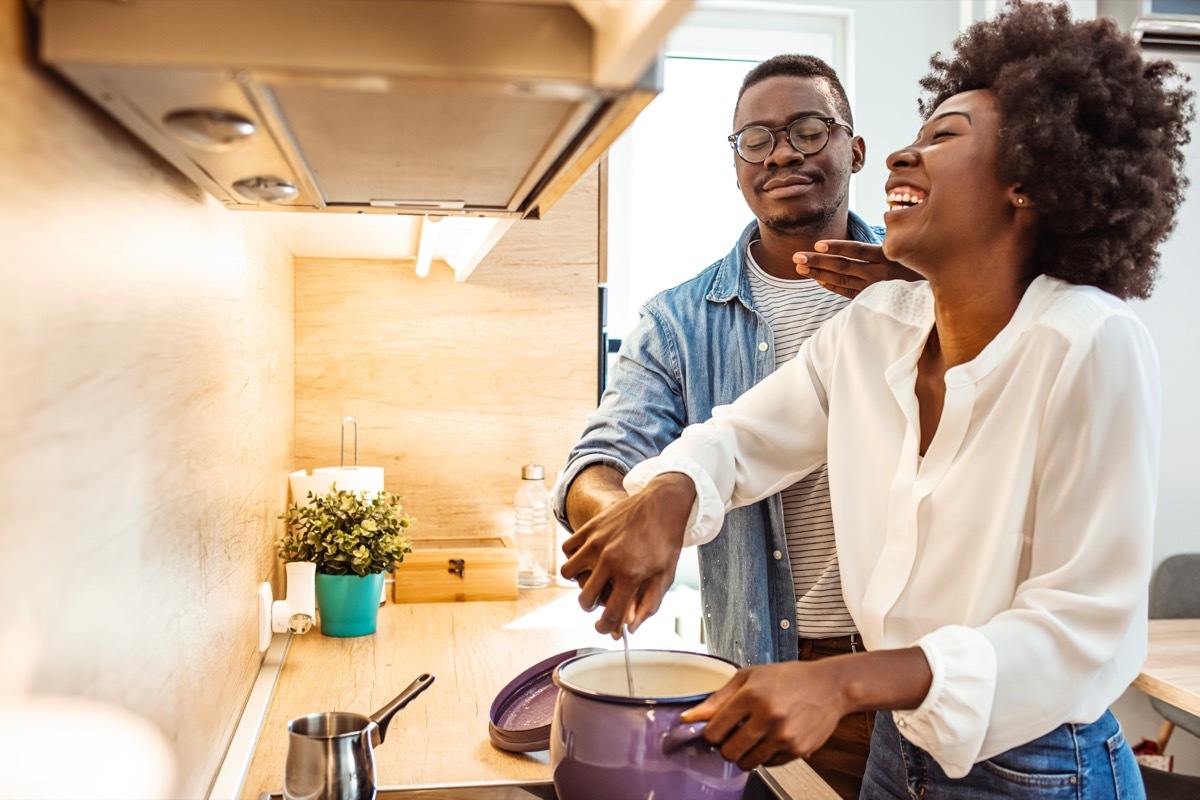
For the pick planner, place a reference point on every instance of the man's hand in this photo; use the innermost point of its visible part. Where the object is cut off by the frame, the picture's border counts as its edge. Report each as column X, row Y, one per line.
column 846, row 267
column 625, row 557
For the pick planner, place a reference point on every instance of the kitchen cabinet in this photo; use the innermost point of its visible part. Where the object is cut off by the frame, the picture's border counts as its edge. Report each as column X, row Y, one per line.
column 473, row 650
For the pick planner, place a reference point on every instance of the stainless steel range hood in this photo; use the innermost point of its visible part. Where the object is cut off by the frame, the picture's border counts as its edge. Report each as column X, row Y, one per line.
column 452, row 107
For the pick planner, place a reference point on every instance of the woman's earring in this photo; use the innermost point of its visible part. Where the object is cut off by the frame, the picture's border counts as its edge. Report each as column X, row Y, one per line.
column 1020, row 201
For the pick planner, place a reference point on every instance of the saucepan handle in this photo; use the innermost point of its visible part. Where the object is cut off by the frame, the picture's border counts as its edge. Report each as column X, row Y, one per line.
column 384, row 715
column 681, row 734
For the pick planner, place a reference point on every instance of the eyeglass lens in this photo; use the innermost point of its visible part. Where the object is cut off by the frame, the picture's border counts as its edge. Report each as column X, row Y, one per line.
column 806, row 135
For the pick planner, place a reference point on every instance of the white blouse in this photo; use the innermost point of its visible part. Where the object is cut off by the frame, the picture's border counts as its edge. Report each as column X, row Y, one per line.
column 1017, row 552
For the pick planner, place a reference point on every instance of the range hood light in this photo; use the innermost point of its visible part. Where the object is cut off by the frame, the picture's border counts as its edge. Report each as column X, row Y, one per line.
column 440, row 205
column 266, row 189
column 552, row 90
column 209, row 128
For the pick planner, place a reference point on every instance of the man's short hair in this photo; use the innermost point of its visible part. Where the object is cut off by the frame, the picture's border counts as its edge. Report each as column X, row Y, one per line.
column 799, row 66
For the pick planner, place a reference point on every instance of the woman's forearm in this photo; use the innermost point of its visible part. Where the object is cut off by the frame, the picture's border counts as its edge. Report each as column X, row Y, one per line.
column 884, row 680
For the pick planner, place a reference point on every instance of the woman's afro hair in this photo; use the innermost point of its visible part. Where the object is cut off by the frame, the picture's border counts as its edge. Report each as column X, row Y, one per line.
column 1093, row 133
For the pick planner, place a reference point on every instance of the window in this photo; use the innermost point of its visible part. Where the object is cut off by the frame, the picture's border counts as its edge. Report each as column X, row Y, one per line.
column 673, row 202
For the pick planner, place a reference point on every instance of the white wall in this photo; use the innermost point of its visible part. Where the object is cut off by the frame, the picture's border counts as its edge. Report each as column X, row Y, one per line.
column 883, row 80
column 1171, row 316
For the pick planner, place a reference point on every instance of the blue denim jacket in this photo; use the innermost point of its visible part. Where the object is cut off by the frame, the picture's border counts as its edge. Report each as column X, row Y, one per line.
column 674, row 367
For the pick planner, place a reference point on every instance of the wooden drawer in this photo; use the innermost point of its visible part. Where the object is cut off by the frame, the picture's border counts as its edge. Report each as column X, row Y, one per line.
column 456, row 570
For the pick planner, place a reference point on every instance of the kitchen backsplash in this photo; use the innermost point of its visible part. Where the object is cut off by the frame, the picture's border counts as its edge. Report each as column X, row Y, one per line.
column 164, row 365
column 454, row 385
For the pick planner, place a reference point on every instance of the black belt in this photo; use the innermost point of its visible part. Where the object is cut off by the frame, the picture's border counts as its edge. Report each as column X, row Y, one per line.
column 850, row 643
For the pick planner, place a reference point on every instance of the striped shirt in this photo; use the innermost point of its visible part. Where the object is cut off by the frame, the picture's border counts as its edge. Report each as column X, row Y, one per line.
column 794, row 309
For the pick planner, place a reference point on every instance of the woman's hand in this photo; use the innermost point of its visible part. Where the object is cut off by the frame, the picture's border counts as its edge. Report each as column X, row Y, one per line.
column 624, row 558
column 846, row 268
column 774, row 713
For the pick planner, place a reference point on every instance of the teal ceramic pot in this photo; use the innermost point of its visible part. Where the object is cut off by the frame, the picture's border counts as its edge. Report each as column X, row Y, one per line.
column 348, row 605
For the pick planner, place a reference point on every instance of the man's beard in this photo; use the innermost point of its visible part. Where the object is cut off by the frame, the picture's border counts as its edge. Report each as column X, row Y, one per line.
column 800, row 222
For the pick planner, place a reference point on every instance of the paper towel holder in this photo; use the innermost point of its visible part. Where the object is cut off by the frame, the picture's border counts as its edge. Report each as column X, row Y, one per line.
column 353, row 422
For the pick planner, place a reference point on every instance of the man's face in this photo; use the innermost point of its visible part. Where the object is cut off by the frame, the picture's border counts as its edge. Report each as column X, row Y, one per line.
column 791, row 193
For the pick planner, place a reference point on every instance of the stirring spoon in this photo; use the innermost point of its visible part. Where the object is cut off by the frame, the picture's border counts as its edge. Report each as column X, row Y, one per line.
column 628, row 667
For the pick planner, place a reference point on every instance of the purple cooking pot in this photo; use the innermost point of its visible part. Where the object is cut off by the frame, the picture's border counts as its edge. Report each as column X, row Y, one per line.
column 607, row 745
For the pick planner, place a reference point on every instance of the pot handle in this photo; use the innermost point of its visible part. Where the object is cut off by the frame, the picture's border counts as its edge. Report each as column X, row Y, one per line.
column 681, row 734
column 384, row 715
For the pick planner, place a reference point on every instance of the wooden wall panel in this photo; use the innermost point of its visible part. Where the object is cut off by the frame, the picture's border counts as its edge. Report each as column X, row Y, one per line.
column 146, row 418
column 454, row 385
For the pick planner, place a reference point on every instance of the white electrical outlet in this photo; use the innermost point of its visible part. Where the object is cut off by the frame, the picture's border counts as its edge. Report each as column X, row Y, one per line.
column 265, row 599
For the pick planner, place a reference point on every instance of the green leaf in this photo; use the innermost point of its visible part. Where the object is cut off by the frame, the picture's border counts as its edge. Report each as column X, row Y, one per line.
column 342, row 532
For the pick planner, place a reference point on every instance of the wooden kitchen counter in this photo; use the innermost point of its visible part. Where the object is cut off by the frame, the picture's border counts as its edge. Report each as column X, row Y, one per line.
column 473, row 649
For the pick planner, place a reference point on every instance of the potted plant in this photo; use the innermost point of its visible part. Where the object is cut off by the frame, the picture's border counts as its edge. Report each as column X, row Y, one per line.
column 352, row 538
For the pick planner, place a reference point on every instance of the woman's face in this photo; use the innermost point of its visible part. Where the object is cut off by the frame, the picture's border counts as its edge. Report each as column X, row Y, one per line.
column 944, row 193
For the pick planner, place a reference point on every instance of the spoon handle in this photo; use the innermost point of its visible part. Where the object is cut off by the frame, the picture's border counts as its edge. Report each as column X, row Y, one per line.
column 628, row 666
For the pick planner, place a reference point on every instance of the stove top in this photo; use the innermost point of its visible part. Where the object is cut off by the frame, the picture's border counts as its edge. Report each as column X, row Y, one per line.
column 760, row 786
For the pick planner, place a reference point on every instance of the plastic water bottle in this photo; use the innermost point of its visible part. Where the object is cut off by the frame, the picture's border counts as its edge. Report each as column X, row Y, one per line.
column 534, row 530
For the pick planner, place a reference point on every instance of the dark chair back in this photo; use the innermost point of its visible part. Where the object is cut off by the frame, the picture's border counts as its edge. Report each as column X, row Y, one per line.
column 1169, row 785
column 1175, row 588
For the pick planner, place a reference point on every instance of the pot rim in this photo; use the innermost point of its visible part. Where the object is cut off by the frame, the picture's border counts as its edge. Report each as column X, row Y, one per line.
column 624, row 699
column 332, row 717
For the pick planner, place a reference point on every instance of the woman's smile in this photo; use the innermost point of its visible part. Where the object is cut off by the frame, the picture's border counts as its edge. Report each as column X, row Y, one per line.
column 900, row 199
column 904, row 197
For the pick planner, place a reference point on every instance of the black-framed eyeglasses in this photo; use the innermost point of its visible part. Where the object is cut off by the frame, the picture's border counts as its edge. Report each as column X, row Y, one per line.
column 807, row 135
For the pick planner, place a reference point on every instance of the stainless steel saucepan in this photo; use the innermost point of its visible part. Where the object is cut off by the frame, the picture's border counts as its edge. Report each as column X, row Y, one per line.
column 331, row 755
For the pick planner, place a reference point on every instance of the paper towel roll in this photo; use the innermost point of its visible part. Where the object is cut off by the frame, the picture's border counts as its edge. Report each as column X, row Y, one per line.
column 353, row 479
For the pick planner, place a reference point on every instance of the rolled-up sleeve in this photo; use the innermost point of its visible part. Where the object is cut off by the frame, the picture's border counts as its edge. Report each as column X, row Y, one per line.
column 952, row 720
column 708, row 510
column 769, row 438
column 640, row 413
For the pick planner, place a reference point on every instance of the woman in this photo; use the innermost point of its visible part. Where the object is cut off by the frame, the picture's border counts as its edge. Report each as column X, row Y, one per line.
column 991, row 434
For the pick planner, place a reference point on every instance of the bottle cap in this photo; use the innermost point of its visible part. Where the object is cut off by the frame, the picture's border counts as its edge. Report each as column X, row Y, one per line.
column 533, row 472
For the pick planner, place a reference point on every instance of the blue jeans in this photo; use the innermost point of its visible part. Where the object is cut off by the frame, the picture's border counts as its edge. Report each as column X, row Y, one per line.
column 1080, row 762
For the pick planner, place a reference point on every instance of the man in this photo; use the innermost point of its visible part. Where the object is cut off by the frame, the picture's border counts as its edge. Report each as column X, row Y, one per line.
column 770, row 587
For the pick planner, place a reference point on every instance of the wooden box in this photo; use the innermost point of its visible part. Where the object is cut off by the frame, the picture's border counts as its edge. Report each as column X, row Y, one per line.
column 457, row 569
